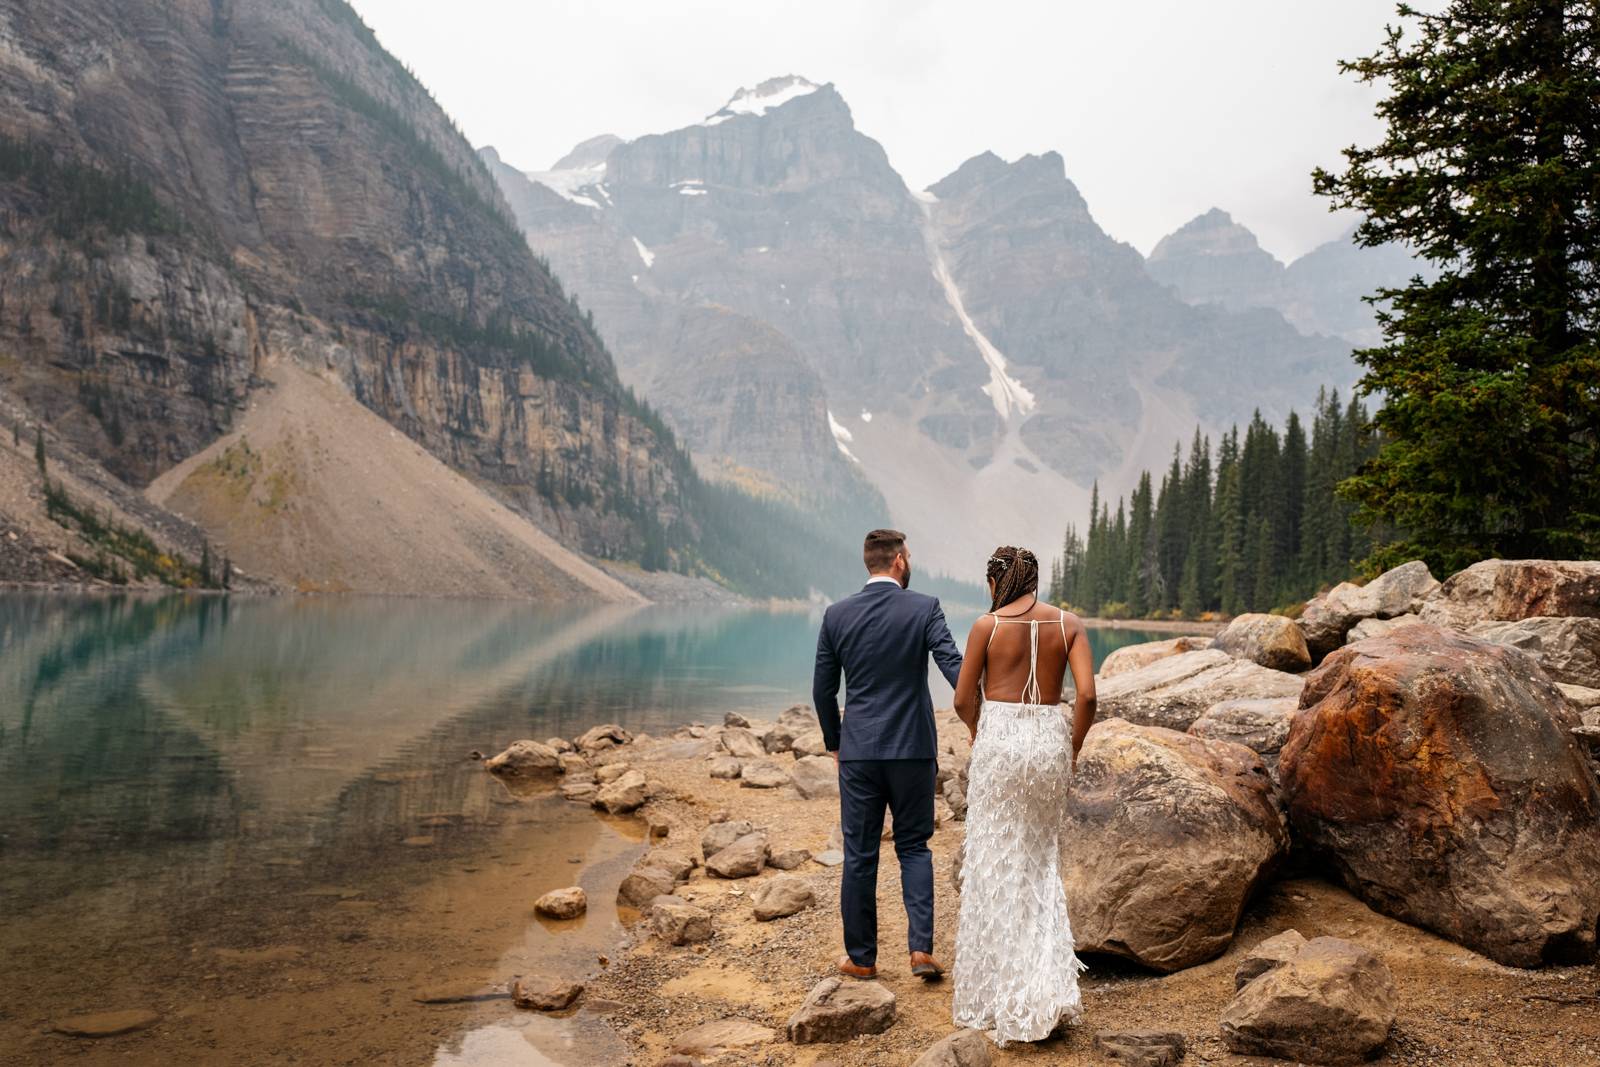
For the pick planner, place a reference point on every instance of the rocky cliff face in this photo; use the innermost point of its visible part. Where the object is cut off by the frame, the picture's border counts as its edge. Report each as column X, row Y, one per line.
column 193, row 188
column 1213, row 260
column 983, row 350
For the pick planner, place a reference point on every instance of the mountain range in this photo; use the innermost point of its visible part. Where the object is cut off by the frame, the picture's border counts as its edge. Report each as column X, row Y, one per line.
column 980, row 352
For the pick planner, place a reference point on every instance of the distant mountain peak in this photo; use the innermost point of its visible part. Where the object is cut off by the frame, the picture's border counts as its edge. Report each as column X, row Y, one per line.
column 1213, row 233
column 590, row 154
column 769, row 95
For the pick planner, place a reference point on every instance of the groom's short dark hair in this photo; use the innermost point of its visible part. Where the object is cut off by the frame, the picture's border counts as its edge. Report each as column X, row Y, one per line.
column 880, row 549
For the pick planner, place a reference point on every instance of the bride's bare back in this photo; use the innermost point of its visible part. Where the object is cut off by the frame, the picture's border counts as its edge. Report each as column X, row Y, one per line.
column 1000, row 652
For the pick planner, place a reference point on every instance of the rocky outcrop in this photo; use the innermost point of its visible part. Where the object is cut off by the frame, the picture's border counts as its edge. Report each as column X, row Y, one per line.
column 1320, row 1001
column 1132, row 657
column 1171, row 834
column 1567, row 648
column 835, row 1012
column 1438, row 774
column 1213, row 260
column 1399, row 591
column 1174, row 691
column 1270, row 640
column 1506, row 590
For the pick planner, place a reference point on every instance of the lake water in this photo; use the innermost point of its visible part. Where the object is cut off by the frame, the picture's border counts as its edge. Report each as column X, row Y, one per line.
column 257, row 816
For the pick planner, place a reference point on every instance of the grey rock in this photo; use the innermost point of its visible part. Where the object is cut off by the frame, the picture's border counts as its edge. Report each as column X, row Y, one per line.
column 1175, row 691
column 1270, row 640
column 761, row 774
column 625, row 794
column 1132, row 657
column 1567, row 647
column 740, row 742
column 788, row 859
column 721, row 1036
column 964, row 1048
column 743, row 859
column 733, row 718
column 835, row 1012
column 725, row 767
column 809, row 744
column 601, row 738
column 566, row 903
column 1140, row 1048
column 1274, row 951
column 829, row 857
column 643, row 884
column 1377, row 627
column 785, row 895
column 815, row 776
column 1505, row 590
column 1330, row 1001
column 719, row 835
column 1259, row 725
column 674, row 863
column 677, row 922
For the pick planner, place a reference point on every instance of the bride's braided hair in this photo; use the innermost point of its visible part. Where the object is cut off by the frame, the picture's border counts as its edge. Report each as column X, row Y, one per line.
column 1015, row 572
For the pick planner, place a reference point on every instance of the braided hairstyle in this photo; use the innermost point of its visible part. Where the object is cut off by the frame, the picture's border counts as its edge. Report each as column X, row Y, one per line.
column 1015, row 572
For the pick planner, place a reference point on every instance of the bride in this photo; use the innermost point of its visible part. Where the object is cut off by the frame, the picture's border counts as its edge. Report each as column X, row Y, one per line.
column 1015, row 971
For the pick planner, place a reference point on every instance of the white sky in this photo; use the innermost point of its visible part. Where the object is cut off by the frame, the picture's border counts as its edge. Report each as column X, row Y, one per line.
column 1161, row 109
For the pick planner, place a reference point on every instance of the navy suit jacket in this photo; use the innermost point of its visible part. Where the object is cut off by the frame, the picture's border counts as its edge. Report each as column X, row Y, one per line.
column 881, row 638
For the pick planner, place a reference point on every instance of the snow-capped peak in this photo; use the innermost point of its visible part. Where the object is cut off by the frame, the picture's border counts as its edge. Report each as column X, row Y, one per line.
column 772, row 93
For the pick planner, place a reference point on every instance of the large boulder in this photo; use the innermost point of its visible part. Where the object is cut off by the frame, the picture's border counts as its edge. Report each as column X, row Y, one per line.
column 1399, row 591
column 815, row 776
column 1505, row 590
column 1170, row 836
column 780, row 897
column 1439, row 775
column 525, row 759
column 1175, row 691
column 1322, row 1001
column 1260, row 725
column 1270, row 640
column 622, row 795
column 1567, row 647
column 601, row 738
column 1132, row 657
column 835, row 1012
column 964, row 1048
column 745, row 858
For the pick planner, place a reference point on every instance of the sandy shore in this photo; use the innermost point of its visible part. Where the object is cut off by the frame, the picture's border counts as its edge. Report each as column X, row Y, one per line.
column 1456, row 1007
column 1166, row 626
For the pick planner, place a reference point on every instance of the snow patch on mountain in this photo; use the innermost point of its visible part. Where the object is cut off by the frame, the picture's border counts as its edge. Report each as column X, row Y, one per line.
column 773, row 93
column 842, row 437
column 645, row 254
column 573, row 182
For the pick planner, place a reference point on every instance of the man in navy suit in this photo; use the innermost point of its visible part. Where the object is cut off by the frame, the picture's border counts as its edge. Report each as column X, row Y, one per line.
column 886, row 746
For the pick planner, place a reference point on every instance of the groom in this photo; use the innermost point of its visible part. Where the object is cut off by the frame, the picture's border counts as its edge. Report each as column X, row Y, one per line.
column 885, row 747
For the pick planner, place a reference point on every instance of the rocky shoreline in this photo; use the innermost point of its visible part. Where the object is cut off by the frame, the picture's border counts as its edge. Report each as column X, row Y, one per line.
column 1263, row 860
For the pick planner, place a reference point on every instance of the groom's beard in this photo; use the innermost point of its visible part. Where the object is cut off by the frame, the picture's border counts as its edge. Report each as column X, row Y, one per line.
column 905, row 581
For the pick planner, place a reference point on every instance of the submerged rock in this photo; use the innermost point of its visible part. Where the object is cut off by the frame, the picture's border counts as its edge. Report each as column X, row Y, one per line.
column 525, row 759
column 1270, row 640
column 1171, row 834
column 1439, row 775
column 835, row 1012
column 1320, row 1001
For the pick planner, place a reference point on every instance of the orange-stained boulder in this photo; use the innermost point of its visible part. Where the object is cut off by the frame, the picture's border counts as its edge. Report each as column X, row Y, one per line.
column 1439, row 775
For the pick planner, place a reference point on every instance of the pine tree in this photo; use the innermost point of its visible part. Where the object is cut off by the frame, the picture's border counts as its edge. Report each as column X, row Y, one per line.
column 38, row 448
column 1490, row 374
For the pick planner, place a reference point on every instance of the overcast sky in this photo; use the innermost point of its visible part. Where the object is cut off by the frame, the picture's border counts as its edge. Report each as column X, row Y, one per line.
column 1161, row 109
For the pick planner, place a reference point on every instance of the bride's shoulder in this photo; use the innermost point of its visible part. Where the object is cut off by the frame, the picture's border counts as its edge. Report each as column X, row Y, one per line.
column 1071, row 621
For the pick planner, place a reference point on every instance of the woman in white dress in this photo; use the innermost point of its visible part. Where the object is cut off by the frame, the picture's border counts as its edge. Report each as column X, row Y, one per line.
column 1016, row 974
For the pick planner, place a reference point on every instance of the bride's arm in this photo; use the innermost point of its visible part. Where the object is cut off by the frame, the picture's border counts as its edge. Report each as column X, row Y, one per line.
column 1081, row 659
column 971, row 671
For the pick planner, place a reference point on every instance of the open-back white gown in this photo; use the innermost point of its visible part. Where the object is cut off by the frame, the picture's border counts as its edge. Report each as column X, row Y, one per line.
column 1016, row 974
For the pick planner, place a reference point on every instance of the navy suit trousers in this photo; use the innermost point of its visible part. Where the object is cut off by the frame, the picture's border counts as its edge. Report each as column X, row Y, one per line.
column 905, row 788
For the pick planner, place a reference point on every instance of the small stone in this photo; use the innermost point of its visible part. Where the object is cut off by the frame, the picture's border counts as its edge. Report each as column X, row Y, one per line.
column 611, row 772
column 733, row 718
column 782, row 896
column 720, row 1036
column 743, row 859
column 583, row 792
column 644, row 884
column 657, row 828
column 677, row 922
column 810, row 744
column 763, row 775
column 722, row 833
column 964, row 1048
column 674, row 863
column 830, row 857
column 788, row 859
column 1141, row 1048
column 725, row 767
column 545, row 994
column 566, row 903
column 739, row 741
column 624, row 794
column 835, row 1012
column 106, row 1023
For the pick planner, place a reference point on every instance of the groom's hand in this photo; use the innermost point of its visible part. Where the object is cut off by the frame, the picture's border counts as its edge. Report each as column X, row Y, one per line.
column 835, row 755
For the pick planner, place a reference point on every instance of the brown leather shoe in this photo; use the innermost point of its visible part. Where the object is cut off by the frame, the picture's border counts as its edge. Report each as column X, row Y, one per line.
column 854, row 970
column 926, row 967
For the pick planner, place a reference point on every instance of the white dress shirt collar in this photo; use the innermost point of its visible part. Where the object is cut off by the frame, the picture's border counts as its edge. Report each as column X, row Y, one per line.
column 883, row 578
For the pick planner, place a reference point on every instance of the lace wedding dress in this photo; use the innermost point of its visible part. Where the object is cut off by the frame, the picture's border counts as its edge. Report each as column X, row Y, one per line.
column 1016, row 974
